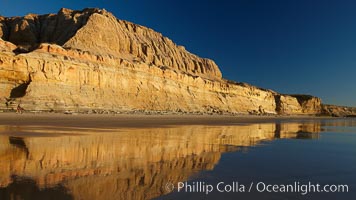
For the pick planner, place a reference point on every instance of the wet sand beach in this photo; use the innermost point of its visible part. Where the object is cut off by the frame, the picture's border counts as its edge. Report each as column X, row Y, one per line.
column 138, row 120
column 70, row 157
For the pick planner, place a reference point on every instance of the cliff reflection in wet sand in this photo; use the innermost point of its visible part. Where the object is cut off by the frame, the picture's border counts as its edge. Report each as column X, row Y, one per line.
column 67, row 163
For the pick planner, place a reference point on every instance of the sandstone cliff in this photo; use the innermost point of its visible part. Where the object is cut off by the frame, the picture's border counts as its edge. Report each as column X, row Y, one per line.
column 89, row 61
column 338, row 111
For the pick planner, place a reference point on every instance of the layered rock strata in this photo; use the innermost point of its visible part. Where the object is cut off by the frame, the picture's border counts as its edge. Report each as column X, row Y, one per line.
column 338, row 111
column 89, row 61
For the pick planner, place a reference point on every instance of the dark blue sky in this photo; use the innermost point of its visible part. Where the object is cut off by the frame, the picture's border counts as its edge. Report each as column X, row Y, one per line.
column 290, row 46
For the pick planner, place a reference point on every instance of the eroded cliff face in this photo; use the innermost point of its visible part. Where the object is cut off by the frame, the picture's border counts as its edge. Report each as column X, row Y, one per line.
column 126, row 164
column 297, row 104
column 338, row 111
column 88, row 60
column 99, row 32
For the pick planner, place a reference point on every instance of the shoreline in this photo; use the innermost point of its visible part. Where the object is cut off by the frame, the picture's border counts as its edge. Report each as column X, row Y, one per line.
column 141, row 120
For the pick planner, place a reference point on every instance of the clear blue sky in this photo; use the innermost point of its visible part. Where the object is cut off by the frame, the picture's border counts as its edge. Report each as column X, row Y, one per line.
column 290, row 46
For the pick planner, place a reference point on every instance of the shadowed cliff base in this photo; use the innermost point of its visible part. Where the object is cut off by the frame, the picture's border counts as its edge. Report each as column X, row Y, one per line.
column 20, row 90
column 91, row 62
column 27, row 189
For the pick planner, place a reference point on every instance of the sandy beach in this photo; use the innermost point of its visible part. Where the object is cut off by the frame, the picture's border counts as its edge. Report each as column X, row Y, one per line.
column 137, row 120
column 77, row 155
